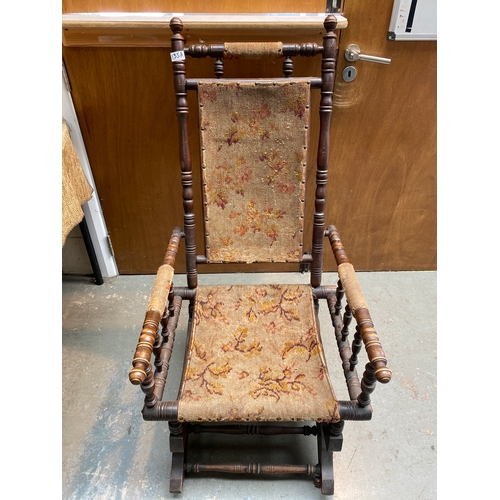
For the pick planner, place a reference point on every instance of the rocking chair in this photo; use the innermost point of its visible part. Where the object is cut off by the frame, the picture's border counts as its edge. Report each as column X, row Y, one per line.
column 255, row 362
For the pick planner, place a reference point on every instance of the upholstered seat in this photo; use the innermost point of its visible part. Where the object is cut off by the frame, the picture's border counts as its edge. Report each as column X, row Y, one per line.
column 255, row 354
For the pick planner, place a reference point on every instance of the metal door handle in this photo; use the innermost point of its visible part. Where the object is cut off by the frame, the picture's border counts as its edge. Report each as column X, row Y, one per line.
column 353, row 53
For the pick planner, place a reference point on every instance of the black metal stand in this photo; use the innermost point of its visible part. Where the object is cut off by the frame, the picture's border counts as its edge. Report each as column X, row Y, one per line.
column 91, row 252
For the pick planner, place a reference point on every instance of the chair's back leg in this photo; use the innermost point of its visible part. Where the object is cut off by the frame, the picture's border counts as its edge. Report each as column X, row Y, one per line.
column 326, row 103
column 185, row 154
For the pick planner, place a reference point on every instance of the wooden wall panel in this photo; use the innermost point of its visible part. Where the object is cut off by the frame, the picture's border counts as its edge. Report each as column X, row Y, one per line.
column 382, row 183
column 121, row 99
column 212, row 6
column 382, row 178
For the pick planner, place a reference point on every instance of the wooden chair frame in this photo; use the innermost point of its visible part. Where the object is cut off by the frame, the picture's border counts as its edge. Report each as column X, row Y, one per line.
column 159, row 328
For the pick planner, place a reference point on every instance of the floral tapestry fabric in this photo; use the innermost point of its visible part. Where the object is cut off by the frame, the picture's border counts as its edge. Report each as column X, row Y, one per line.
column 255, row 354
column 254, row 157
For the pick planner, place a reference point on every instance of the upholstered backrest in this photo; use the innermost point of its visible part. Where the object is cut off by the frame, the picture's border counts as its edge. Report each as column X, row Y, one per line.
column 253, row 137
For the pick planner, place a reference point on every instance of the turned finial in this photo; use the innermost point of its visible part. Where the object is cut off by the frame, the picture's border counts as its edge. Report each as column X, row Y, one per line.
column 383, row 375
column 330, row 23
column 176, row 25
column 137, row 376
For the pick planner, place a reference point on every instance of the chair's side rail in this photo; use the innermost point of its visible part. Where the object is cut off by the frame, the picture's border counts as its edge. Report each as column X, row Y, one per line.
column 358, row 407
column 164, row 352
column 376, row 369
column 141, row 372
column 351, row 376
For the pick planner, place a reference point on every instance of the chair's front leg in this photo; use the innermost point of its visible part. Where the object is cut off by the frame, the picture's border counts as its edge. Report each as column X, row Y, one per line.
column 325, row 480
column 178, row 447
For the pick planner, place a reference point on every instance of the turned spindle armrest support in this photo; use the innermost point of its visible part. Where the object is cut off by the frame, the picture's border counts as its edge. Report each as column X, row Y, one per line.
column 156, row 307
column 359, row 309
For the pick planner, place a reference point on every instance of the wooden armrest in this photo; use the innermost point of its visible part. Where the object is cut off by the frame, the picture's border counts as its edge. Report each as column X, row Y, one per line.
column 156, row 307
column 359, row 308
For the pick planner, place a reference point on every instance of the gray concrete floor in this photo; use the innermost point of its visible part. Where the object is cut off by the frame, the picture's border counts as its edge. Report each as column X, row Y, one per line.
column 109, row 452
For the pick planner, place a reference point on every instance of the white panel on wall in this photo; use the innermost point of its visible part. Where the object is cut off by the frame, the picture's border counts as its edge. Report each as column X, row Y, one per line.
column 413, row 20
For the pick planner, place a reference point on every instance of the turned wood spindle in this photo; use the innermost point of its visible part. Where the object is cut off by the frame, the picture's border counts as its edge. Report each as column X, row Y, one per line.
column 157, row 346
column 337, row 246
column 170, row 307
column 172, row 248
column 258, row 429
column 150, row 339
column 253, row 468
column 357, row 344
column 144, row 350
column 368, row 384
column 148, row 388
column 169, row 337
column 351, row 377
column 347, row 321
column 373, row 346
column 340, row 295
column 365, row 331
column 161, row 373
column 288, row 66
column 219, row 68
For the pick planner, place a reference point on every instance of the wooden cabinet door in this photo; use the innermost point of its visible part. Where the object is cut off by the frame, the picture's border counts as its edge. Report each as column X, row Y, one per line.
column 382, row 181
